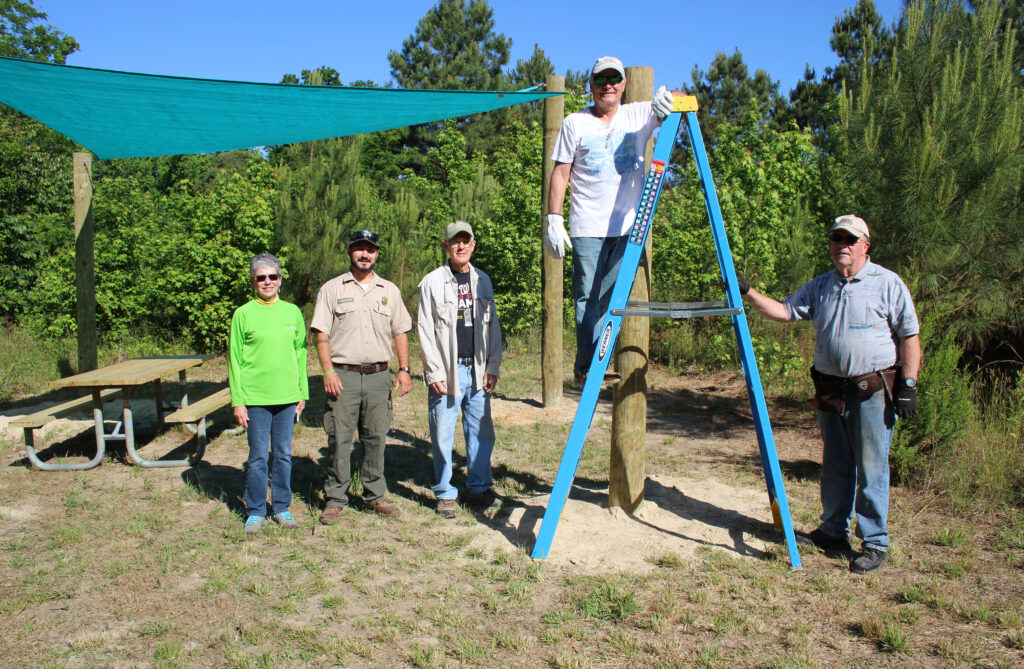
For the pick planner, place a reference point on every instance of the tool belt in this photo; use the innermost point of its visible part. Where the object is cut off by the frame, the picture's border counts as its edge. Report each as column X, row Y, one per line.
column 830, row 392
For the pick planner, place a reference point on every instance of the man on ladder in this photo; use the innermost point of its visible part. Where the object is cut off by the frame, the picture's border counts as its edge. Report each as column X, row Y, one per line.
column 619, row 306
column 600, row 154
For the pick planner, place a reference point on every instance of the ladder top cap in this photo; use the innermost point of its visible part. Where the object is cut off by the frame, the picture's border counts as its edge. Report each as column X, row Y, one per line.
column 685, row 103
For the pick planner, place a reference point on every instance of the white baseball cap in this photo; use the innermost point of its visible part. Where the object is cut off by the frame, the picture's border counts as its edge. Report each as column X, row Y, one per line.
column 607, row 63
column 855, row 225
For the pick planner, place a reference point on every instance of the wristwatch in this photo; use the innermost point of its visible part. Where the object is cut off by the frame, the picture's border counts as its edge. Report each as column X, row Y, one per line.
column 406, row 370
column 909, row 382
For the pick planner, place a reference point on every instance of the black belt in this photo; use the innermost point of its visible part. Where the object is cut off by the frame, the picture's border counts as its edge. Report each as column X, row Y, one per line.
column 365, row 369
column 468, row 362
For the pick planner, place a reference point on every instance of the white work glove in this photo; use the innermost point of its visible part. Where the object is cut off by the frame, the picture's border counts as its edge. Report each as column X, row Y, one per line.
column 555, row 236
column 662, row 103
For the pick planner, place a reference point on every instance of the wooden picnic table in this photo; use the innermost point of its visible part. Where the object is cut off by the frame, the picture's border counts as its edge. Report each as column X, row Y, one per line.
column 129, row 376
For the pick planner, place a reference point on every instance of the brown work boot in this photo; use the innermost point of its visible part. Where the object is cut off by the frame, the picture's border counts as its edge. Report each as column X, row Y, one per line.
column 383, row 507
column 484, row 500
column 332, row 514
column 446, row 508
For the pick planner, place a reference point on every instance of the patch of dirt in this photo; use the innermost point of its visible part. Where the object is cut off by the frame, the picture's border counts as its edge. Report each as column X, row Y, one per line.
column 678, row 515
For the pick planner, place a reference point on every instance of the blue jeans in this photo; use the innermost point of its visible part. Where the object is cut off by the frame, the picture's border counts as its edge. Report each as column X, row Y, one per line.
column 595, row 267
column 855, row 469
column 269, row 426
column 477, row 429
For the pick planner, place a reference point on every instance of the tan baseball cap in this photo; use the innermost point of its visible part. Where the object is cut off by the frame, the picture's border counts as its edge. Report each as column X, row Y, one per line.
column 855, row 225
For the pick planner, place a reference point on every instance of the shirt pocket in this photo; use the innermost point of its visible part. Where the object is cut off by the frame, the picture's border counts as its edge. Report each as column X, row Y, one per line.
column 859, row 313
column 345, row 312
column 382, row 311
column 444, row 305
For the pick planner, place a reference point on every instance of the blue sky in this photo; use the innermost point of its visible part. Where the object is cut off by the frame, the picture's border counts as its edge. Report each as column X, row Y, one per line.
column 258, row 40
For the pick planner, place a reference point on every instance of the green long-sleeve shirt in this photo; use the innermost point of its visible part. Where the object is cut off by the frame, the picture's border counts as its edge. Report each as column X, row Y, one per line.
column 267, row 357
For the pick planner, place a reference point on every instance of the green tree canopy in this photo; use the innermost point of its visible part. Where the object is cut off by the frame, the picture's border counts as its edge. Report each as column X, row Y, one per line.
column 725, row 92
column 23, row 35
column 454, row 47
column 933, row 158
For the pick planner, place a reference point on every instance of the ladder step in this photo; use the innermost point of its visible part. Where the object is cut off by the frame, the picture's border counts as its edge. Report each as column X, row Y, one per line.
column 677, row 310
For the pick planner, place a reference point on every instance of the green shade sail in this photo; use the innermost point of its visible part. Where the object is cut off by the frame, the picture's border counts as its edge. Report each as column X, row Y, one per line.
column 124, row 114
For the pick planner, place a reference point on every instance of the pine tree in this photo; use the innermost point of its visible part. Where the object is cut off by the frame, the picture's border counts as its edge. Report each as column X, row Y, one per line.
column 454, row 47
column 931, row 156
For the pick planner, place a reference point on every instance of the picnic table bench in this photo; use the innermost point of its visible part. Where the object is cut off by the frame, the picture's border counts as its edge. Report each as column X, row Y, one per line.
column 197, row 413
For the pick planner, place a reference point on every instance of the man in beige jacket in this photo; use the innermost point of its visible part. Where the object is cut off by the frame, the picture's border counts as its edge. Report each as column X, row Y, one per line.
column 460, row 345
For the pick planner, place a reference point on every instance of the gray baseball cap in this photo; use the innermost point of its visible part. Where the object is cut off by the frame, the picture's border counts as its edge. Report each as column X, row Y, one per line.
column 457, row 227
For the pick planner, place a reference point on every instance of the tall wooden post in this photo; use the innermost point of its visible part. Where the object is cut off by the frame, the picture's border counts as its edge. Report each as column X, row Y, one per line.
column 553, row 269
column 85, row 282
column 629, row 409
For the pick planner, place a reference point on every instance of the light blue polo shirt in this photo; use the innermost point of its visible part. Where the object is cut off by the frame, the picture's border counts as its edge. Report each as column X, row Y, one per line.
column 856, row 321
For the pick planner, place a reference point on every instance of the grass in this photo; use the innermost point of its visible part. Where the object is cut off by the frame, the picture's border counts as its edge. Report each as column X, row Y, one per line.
column 91, row 559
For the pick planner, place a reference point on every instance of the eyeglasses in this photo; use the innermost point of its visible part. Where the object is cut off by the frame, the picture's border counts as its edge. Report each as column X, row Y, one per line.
column 843, row 239
column 614, row 79
column 260, row 278
column 460, row 242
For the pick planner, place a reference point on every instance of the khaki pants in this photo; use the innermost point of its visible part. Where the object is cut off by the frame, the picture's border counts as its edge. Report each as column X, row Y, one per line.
column 364, row 404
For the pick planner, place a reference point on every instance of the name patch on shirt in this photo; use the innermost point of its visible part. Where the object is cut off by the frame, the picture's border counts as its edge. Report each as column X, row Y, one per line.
column 342, row 300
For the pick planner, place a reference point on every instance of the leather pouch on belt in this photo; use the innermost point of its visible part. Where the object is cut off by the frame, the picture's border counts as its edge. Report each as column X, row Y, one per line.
column 869, row 384
column 829, row 392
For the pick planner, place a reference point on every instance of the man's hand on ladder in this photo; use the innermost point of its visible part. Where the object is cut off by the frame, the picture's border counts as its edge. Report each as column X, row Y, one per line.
column 662, row 103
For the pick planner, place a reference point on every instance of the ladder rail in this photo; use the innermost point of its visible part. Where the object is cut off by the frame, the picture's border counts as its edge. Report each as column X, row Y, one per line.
column 755, row 393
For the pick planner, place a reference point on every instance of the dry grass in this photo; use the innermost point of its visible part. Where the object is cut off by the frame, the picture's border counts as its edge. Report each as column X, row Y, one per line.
column 121, row 566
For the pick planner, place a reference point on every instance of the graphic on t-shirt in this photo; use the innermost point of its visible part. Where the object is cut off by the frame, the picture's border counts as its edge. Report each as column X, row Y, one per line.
column 465, row 305
column 464, row 318
column 610, row 154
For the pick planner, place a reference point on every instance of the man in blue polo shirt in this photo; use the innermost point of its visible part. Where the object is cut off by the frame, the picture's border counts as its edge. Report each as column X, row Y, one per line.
column 866, row 357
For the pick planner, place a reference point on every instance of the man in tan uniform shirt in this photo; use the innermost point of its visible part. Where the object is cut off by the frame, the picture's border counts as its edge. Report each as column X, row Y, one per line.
column 357, row 317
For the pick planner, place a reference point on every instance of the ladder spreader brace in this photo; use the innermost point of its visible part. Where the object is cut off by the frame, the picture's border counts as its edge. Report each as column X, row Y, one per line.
column 676, row 310
column 619, row 306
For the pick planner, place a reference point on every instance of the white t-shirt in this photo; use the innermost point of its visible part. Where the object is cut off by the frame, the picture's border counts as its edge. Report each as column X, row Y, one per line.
column 607, row 174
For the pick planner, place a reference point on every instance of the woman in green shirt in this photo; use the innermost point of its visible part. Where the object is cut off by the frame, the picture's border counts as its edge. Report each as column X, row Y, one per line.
column 269, row 389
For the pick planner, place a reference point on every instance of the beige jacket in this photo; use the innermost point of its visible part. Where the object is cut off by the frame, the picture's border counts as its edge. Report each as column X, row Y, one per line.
column 436, row 322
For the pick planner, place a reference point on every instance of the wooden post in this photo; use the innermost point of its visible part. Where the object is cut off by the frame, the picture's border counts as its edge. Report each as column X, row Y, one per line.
column 85, row 283
column 629, row 405
column 553, row 269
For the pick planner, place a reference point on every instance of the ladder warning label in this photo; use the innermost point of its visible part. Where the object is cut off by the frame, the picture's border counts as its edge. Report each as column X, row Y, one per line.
column 647, row 199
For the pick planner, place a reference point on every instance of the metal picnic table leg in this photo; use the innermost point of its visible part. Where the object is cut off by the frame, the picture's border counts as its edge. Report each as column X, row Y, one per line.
column 97, row 413
column 129, row 431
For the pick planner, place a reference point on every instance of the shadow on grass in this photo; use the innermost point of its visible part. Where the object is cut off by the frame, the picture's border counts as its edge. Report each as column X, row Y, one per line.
column 795, row 470
column 224, row 484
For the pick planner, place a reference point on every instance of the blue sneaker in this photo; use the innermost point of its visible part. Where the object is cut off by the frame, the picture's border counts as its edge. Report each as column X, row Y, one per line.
column 253, row 524
column 284, row 519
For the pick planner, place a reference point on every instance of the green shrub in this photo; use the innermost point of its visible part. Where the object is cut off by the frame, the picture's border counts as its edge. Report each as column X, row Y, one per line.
column 945, row 410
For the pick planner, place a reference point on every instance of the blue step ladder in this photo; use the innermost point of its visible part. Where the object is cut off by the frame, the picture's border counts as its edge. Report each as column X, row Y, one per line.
column 619, row 307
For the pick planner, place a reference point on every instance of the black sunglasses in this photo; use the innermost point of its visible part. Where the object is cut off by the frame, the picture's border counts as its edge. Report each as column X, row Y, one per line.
column 260, row 278
column 614, row 79
column 845, row 239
